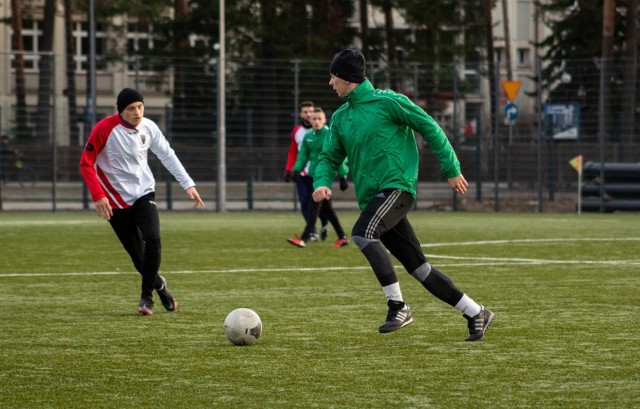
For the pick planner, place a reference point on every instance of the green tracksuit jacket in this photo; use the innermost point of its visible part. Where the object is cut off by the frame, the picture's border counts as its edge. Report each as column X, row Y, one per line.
column 310, row 151
column 374, row 129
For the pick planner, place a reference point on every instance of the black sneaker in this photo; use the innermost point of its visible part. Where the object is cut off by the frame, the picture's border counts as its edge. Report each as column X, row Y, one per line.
column 168, row 300
column 324, row 232
column 479, row 324
column 145, row 307
column 399, row 316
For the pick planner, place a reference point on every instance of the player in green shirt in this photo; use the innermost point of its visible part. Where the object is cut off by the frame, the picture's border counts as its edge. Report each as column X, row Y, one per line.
column 374, row 129
column 309, row 151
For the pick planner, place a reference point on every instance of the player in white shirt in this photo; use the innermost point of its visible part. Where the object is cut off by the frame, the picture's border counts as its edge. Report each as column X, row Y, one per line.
column 115, row 168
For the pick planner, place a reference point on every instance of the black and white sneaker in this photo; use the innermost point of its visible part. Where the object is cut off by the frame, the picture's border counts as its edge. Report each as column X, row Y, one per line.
column 479, row 324
column 399, row 316
column 324, row 232
column 145, row 307
column 168, row 300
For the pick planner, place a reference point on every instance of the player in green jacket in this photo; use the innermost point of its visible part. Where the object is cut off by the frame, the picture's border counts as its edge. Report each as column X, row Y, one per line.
column 374, row 129
column 309, row 151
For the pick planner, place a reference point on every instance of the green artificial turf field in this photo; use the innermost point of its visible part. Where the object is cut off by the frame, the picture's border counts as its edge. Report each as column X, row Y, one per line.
column 564, row 289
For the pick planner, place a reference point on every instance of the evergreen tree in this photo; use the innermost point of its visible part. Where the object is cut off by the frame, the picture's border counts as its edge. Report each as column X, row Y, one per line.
column 574, row 49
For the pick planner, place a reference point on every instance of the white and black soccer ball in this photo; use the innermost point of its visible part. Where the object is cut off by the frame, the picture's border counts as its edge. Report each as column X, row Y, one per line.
column 243, row 326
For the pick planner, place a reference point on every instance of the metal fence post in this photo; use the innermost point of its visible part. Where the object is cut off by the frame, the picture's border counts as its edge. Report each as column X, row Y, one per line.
column 249, row 158
column 454, row 197
column 296, row 107
column 496, row 141
column 602, row 123
column 416, row 68
column 168, row 112
column 54, row 142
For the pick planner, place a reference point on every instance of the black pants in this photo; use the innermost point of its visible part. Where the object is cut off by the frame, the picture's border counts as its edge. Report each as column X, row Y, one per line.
column 384, row 219
column 304, row 186
column 315, row 209
column 138, row 228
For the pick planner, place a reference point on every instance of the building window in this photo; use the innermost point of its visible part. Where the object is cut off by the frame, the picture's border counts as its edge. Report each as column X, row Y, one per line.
column 82, row 46
column 139, row 40
column 524, row 59
column 498, row 51
column 31, row 37
column 197, row 40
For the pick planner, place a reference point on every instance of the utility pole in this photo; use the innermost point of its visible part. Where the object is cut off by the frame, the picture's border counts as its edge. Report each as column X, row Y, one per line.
column 221, row 180
column 536, row 37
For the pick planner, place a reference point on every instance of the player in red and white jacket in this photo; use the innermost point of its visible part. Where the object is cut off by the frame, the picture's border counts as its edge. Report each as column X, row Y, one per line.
column 304, row 183
column 115, row 168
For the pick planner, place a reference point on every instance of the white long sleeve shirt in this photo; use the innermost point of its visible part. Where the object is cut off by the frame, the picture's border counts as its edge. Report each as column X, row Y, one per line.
column 114, row 162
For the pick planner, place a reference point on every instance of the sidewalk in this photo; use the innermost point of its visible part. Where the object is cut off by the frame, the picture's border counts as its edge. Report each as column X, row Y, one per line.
column 280, row 196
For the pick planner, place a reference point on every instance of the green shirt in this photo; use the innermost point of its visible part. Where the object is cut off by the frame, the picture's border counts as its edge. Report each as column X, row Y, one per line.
column 374, row 129
column 310, row 151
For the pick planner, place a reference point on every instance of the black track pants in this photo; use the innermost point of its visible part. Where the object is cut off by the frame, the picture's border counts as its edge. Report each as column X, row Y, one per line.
column 138, row 228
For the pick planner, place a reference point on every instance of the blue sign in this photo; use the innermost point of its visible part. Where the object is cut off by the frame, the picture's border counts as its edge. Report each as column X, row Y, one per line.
column 562, row 121
column 511, row 112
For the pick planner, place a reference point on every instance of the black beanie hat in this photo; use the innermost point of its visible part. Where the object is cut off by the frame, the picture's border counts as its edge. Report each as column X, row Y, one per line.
column 128, row 96
column 349, row 65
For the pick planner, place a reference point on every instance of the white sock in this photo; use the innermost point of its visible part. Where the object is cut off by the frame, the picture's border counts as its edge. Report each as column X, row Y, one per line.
column 468, row 307
column 392, row 292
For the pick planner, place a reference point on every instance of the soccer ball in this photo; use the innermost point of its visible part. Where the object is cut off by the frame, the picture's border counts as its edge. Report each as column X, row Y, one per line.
column 242, row 326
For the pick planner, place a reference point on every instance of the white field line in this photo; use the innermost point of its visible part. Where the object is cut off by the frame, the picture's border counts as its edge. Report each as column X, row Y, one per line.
column 472, row 261
column 559, row 240
column 47, row 222
column 536, row 260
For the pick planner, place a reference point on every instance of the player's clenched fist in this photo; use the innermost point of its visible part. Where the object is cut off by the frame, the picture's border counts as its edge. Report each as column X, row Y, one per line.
column 321, row 194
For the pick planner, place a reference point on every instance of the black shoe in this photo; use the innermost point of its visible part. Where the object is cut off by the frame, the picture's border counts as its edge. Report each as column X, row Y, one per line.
column 479, row 324
column 168, row 300
column 324, row 232
column 399, row 316
column 145, row 307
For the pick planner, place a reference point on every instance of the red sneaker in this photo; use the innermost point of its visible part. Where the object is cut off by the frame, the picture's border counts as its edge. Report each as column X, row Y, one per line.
column 341, row 243
column 296, row 241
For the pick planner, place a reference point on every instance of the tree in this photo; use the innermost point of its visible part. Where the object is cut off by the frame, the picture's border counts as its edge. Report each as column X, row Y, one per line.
column 268, row 32
column 630, row 75
column 364, row 29
column 17, row 46
column 439, row 34
column 70, row 90
column 575, row 47
column 444, row 30
column 45, row 68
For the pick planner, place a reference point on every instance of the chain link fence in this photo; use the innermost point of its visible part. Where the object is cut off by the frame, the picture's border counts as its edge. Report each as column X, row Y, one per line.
column 521, row 163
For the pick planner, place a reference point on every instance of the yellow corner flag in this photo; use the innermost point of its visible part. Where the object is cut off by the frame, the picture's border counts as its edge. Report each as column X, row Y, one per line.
column 576, row 163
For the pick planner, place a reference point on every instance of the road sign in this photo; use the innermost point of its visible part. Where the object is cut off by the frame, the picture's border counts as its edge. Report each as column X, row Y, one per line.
column 511, row 112
column 511, row 88
column 562, row 121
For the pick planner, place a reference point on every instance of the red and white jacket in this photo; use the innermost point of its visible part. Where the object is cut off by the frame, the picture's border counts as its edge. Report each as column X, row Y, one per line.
column 114, row 161
column 297, row 135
